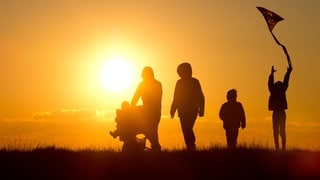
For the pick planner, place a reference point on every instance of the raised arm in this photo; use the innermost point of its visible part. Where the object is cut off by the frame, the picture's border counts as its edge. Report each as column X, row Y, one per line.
column 287, row 75
column 271, row 79
column 136, row 96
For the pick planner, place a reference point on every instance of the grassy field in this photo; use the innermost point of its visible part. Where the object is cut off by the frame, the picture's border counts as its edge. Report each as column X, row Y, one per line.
column 211, row 163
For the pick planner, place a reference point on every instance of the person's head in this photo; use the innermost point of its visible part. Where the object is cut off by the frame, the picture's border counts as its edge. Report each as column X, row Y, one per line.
column 232, row 95
column 125, row 105
column 278, row 84
column 184, row 70
column 147, row 73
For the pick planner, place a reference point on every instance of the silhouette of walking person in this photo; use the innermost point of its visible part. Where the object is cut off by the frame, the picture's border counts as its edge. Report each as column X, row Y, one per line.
column 278, row 104
column 150, row 91
column 233, row 116
column 189, row 101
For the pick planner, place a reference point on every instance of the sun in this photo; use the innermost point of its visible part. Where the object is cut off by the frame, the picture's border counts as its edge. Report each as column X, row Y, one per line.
column 116, row 75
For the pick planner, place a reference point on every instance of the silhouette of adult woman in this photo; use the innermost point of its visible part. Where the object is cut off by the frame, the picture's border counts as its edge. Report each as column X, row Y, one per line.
column 150, row 91
column 189, row 101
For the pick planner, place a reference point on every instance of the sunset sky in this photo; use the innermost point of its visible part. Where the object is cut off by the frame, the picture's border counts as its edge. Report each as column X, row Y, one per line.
column 54, row 55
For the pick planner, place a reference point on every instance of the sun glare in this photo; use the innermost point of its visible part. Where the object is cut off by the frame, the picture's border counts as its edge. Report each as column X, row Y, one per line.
column 117, row 75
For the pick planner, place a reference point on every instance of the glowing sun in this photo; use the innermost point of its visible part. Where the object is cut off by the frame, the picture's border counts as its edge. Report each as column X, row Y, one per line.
column 117, row 75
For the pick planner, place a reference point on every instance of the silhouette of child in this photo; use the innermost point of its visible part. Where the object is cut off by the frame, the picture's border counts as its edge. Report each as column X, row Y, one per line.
column 233, row 116
column 122, row 119
column 278, row 104
column 189, row 101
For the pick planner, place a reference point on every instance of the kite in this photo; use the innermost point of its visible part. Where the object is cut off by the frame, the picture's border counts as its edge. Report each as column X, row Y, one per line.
column 272, row 19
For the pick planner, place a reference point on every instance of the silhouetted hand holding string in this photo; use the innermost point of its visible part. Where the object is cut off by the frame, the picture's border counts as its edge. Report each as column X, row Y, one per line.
column 273, row 70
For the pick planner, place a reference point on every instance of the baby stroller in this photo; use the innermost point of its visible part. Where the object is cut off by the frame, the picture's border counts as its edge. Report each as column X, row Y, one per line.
column 130, row 123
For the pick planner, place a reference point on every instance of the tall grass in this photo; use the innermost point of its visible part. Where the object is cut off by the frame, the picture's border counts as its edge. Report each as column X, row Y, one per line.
column 22, row 146
column 248, row 161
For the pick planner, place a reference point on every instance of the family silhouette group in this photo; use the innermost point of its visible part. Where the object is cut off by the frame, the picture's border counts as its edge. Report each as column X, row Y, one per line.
column 189, row 102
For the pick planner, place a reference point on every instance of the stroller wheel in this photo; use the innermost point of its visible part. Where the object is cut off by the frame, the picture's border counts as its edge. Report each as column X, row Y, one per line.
column 134, row 145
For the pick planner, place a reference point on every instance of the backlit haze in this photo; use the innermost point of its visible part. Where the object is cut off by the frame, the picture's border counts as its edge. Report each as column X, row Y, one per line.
column 54, row 58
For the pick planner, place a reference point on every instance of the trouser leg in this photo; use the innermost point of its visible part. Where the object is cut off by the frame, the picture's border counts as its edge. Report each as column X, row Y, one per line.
column 152, row 133
column 279, row 128
column 232, row 136
column 282, row 124
column 154, row 138
column 187, row 124
column 276, row 128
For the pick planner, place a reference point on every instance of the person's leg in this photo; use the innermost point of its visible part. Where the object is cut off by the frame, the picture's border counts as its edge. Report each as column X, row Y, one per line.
column 235, row 132
column 228, row 137
column 232, row 135
column 154, row 138
column 187, row 124
column 152, row 134
column 275, row 124
column 282, row 124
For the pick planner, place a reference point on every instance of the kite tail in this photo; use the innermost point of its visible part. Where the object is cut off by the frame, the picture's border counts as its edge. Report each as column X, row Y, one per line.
column 287, row 54
column 275, row 38
column 283, row 47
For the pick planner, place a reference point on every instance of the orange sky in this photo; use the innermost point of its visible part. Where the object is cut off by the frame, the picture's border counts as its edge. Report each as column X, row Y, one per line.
column 52, row 52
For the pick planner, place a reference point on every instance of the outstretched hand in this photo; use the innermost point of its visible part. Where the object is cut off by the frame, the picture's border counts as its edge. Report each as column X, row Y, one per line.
column 273, row 70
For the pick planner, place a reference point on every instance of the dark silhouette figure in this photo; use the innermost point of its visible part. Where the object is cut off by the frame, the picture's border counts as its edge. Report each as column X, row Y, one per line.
column 278, row 104
column 123, row 120
column 233, row 116
column 129, row 124
column 150, row 91
column 189, row 101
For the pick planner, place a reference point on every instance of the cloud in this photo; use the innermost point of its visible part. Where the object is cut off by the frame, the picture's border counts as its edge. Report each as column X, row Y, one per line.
column 73, row 114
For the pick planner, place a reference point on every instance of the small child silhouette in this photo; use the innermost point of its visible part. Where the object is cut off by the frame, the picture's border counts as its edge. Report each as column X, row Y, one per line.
column 122, row 119
column 130, row 123
column 278, row 104
column 233, row 116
